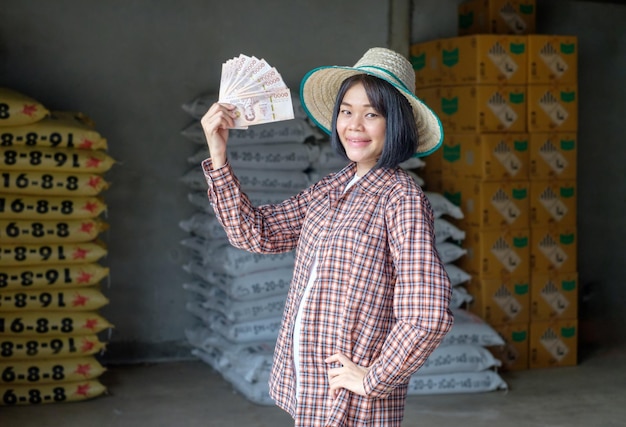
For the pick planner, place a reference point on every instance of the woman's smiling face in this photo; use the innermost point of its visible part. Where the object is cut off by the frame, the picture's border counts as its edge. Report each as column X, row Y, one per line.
column 361, row 129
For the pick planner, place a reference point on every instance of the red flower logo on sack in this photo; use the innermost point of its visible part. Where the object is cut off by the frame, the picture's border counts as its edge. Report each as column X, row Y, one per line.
column 86, row 144
column 90, row 207
column 87, row 346
column 86, row 227
column 83, row 370
column 29, row 110
column 82, row 390
column 91, row 324
column 79, row 300
column 93, row 162
column 84, row 277
column 80, row 253
column 94, row 181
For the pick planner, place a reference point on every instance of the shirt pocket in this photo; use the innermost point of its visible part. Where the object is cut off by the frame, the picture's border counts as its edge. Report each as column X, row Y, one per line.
column 359, row 231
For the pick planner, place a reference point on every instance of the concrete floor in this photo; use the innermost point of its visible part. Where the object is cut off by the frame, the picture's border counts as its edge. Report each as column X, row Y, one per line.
column 190, row 394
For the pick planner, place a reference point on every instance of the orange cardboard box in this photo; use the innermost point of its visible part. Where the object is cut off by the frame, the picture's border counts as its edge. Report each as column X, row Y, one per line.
column 552, row 58
column 497, row 17
column 553, row 156
column 553, row 343
column 484, row 59
column 514, row 354
column 552, row 108
column 552, row 201
column 553, row 296
column 425, row 58
column 490, row 204
column 553, row 248
column 483, row 108
column 502, row 300
column 486, row 156
column 496, row 253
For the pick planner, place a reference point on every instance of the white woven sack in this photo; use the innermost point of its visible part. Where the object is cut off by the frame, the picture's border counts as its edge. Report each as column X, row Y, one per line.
column 259, row 285
column 226, row 259
column 447, row 359
column 272, row 180
column 249, row 360
column 248, row 332
column 413, row 163
column 445, row 230
column 457, row 275
column 200, row 200
column 460, row 297
column 449, row 252
column 246, row 360
column 258, row 330
column 283, row 156
column 244, row 311
column 250, row 286
column 471, row 329
column 442, row 206
column 203, row 224
column 201, row 336
column 253, row 180
column 201, row 290
column 296, row 130
column 328, row 159
column 458, row 382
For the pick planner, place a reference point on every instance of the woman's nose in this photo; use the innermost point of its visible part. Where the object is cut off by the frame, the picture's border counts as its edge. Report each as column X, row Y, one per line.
column 355, row 123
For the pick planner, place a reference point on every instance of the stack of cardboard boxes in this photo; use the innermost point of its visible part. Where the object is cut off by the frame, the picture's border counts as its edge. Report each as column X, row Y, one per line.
column 507, row 99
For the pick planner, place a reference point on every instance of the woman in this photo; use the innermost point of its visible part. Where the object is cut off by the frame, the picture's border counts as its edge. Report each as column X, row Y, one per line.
column 369, row 297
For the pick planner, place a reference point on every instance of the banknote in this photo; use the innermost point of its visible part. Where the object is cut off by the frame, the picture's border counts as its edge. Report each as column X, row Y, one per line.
column 257, row 90
column 266, row 107
column 230, row 72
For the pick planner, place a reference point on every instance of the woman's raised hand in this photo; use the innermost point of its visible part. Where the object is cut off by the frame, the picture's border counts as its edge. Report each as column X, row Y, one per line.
column 215, row 124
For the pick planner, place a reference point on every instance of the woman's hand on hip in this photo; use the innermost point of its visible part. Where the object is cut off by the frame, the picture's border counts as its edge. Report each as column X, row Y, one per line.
column 349, row 376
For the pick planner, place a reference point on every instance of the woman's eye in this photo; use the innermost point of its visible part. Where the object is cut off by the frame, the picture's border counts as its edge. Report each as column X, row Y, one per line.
column 345, row 112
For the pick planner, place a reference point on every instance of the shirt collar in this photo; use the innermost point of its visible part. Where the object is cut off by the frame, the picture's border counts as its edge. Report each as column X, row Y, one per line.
column 372, row 182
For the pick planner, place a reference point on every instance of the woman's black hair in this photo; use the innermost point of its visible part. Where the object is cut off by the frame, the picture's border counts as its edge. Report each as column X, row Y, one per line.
column 401, row 140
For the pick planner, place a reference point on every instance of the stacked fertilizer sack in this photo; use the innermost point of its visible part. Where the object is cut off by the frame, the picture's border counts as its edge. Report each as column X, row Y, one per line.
column 52, row 166
column 237, row 296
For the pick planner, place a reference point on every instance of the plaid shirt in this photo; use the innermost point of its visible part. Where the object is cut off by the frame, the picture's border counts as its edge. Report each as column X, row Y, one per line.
column 381, row 296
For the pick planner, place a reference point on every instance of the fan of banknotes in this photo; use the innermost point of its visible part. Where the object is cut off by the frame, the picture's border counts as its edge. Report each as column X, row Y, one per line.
column 256, row 89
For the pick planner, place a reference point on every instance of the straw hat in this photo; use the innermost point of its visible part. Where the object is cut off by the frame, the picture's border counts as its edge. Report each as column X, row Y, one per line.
column 319, row 88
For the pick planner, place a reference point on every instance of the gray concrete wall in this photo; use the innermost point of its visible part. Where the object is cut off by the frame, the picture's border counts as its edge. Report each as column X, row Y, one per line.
column 601, row 156
column 130, row 65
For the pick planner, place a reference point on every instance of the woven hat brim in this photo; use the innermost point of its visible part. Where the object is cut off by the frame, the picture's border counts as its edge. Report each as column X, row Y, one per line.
column 319, row 89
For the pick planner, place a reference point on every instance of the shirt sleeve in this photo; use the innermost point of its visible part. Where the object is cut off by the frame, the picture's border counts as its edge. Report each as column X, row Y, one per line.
column 263, row 229
column 421, row 297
